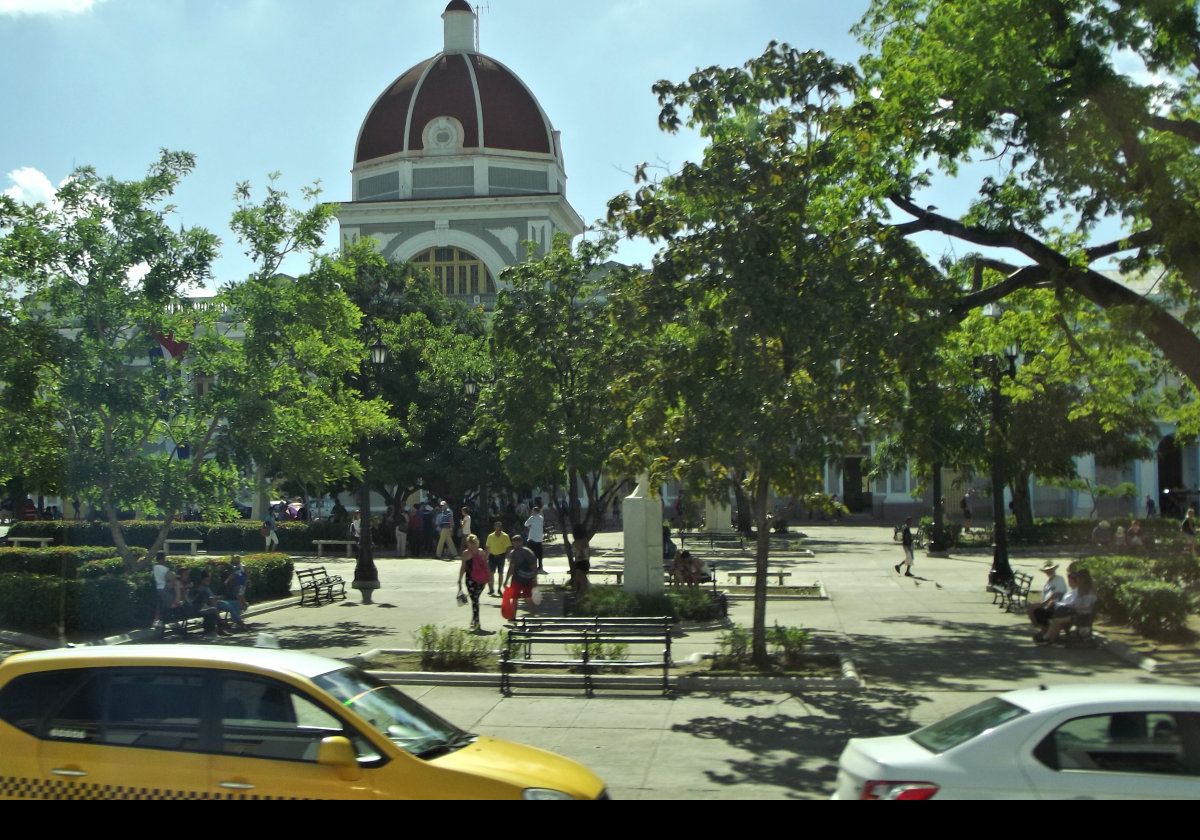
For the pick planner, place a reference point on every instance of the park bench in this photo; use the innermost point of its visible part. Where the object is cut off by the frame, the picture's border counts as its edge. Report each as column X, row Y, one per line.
column 1014, row 595
column 726, row 539
column 41, row 542
column 608, row 573
column 577, row 646
column 1079, row 630
column 183, row 618
column 778, row 574
column 316, row 583
column 193, row 545
column 349, row 544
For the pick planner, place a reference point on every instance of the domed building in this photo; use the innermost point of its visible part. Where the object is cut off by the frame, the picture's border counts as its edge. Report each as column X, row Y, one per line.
column 457, row 166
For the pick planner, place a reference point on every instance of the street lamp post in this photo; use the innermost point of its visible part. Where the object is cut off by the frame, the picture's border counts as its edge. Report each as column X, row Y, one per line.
column 997, row 367
column 366, row 576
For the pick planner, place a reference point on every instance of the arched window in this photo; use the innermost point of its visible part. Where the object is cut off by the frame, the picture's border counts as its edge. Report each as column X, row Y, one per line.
column 456, row 272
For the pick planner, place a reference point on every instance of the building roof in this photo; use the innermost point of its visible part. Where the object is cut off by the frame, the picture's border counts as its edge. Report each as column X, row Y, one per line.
column 494, row 107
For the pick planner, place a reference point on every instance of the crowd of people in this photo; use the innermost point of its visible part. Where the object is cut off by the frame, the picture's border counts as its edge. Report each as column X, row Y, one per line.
column 185, row 593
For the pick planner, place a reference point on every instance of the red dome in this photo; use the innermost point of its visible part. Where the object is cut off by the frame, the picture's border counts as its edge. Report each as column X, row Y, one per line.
column 462, row 85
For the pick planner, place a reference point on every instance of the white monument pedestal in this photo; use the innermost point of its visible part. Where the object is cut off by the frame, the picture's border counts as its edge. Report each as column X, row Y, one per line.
column 642, row 515
column 718, row 517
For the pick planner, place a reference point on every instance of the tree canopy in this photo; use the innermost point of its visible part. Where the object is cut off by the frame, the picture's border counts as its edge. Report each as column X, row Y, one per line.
column 1088, row 114
column 159, row 403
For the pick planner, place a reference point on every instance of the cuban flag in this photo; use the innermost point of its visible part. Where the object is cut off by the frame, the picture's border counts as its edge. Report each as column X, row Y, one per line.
column 168, row 348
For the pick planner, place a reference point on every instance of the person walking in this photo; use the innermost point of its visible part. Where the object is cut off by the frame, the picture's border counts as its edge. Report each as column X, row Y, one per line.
column 535, row 527
column 906, row 539
column 416, row 532
column 1188, row 529
column 445, row 527
column 270, row 538
column 474, row 570
column 498, row 545
column 402, row 532
column 965, row 507
column 464, row 527
column 522, row 572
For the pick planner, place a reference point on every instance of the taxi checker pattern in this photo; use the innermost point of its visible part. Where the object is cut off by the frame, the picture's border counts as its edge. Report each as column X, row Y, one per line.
column 12, row 787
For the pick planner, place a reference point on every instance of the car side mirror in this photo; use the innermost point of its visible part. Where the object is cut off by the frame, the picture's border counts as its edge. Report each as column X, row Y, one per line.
column 337, row 752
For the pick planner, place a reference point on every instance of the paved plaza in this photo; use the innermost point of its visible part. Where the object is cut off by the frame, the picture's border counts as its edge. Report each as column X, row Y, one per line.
column 924, row 646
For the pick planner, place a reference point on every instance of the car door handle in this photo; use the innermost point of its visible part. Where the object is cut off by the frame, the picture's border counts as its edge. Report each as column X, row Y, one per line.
column 64, row 771
column 236, row 785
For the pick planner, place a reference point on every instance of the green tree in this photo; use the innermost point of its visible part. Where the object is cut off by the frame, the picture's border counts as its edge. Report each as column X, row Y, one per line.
column 556, row 349
column 434, row 344
column 1091, row 394
column 1088, row 115
column 157, row 398
column 778, row 289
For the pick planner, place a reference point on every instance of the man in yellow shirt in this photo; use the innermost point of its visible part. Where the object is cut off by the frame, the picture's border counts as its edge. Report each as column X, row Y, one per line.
column 498, row 545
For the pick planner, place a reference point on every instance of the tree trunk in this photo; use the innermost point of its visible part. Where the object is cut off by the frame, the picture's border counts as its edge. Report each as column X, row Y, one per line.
column 745, row 516
column 1022, row 501
column 762, row 493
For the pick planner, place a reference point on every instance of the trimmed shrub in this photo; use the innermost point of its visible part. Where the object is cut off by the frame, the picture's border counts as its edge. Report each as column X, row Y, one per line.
column 1109, row 574
column 1155, row 608
column 451, row 649
column 615, row 602
column 101, row 568
column 1177, row 567
column 51, row 561
column 31, row 602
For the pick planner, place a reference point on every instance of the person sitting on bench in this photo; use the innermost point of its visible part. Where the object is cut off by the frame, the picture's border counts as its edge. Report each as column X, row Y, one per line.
column 1081, row 600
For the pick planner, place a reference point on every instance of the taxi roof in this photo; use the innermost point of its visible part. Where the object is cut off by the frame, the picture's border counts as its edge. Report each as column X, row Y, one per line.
column 269, row 660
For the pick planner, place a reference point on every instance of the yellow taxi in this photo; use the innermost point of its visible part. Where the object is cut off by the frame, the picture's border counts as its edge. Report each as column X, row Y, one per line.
column 193, row 722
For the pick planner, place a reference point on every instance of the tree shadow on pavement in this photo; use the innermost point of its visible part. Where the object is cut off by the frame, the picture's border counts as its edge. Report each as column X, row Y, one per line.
column 961, row 652
column 343, row 634
column 799, row 752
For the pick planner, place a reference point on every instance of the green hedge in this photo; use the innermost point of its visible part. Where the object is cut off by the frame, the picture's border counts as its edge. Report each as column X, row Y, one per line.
column 1144, row 592
column 615, row 602
column 102, row 599
column 1053, row 530
column 1155, row 608
column 52, row 561
column 235, row 537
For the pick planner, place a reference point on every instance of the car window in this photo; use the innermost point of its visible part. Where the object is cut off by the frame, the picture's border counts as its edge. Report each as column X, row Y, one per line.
column 26, row 700
column 405, row 722
column 1162, row 743
column 262, row 718
column 154, row 709
column 967, row 724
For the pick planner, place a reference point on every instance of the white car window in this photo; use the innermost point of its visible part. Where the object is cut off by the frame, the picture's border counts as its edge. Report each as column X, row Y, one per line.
column 1160, row 743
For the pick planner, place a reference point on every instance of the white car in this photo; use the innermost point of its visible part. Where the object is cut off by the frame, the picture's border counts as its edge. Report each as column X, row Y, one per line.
column 1064, row 742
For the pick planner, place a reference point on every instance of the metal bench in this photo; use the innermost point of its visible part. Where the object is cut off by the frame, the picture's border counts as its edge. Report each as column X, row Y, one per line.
column 576, row 645
column 1014, row 595
column 193, row 545
column 316, row 584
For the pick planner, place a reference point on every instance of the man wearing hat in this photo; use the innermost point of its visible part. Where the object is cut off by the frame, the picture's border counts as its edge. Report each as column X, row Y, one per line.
column 1052, row 592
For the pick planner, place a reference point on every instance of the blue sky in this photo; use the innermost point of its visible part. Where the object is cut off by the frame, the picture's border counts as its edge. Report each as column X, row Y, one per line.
column 257, row 86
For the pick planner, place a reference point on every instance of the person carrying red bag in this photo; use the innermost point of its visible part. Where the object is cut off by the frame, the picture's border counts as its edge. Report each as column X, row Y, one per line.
column 522, row 573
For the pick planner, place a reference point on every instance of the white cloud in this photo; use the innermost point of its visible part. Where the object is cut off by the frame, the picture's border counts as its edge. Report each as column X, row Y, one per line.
column 46, row 7
column 30, row 186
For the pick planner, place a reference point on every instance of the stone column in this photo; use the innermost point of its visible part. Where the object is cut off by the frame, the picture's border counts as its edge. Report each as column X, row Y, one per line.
column 641, row 514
